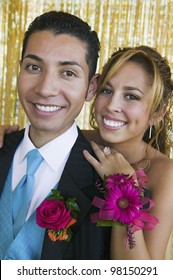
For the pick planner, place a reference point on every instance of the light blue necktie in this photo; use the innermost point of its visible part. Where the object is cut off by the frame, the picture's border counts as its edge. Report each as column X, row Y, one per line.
column 22, row 194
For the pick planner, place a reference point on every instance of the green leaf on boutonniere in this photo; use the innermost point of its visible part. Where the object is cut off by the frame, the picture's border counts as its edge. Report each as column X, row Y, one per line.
column 72, row 205
column 56, row 195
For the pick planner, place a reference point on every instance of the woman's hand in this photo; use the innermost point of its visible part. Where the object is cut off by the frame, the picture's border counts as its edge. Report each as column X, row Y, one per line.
column 6, row 129
column 109, row 161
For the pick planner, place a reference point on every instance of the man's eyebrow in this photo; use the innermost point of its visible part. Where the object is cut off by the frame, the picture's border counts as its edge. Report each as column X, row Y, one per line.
column 35, row 57
column 70, row 63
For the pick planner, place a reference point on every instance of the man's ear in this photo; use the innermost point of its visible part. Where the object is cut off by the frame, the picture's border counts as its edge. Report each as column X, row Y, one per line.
column 92, row 87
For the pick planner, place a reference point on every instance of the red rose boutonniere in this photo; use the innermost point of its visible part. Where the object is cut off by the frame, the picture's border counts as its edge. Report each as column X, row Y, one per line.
column 57, row 215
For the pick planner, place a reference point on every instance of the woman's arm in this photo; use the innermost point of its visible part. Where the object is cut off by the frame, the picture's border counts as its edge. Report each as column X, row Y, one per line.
column 5, row 129
column 149, row 244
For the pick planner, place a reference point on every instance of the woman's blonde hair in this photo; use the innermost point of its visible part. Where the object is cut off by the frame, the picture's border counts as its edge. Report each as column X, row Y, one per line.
column 159, row 74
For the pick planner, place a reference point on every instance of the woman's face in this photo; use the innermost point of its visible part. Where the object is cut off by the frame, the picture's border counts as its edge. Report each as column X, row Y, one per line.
column 122, row 107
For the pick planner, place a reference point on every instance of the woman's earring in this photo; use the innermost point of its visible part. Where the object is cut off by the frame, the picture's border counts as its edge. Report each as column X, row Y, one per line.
column 150, row 132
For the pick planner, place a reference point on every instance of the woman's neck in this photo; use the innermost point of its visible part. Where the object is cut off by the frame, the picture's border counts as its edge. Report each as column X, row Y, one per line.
column 133, row 152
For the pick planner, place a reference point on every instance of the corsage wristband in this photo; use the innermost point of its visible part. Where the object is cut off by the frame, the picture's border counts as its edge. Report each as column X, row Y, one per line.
column 123, row 204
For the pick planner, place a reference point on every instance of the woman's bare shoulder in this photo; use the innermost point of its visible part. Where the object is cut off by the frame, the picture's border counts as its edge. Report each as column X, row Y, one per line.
column 162, row 162
column 161, row 170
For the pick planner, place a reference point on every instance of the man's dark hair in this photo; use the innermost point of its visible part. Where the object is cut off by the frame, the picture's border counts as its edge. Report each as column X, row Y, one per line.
column 59, row 22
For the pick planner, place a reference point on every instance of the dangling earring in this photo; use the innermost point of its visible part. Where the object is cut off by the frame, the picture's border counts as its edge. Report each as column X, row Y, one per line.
column 150, row 132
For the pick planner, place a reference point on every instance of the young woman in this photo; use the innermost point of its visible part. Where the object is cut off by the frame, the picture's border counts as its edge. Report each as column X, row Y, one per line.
column 132, row 110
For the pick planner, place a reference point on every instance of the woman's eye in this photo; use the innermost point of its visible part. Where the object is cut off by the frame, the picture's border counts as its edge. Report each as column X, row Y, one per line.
column 131, row 96
column 106, row 91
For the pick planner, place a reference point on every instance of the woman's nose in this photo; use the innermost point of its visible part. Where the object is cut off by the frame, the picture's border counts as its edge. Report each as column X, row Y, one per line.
column 114, row 104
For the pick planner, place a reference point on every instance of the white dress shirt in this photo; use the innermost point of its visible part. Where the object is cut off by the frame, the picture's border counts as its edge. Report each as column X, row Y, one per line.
column 55, row 154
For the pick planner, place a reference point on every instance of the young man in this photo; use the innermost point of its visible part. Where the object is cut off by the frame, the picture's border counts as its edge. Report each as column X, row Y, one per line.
column 57, row 74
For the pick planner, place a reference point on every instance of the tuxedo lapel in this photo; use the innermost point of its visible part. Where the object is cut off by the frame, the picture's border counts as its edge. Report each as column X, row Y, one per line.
column 76, row 181
column 7, row 153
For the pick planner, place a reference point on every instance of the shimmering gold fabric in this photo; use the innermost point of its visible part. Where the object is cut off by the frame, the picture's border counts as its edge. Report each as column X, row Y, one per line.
column 118, row 23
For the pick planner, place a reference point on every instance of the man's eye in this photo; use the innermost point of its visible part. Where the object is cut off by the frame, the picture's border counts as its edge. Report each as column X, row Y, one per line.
column 69, row 73
column 33, row 67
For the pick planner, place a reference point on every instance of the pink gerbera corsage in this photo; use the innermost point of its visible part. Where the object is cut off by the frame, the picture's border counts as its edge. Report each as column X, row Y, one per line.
column 123, row 204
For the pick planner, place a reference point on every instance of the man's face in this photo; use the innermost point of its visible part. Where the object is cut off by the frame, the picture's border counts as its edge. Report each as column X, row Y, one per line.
column 53, row 83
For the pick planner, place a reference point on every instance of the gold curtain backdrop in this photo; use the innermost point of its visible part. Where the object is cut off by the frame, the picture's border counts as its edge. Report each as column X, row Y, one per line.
column 119, row 23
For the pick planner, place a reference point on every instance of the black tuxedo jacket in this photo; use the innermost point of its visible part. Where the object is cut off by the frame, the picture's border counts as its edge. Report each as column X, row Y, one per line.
column 78, row 180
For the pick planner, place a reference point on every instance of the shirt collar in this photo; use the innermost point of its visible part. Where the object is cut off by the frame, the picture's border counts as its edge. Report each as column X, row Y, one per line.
column 61, row 144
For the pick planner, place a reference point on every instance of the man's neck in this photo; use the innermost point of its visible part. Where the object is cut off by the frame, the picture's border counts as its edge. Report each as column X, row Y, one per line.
column 40, row 138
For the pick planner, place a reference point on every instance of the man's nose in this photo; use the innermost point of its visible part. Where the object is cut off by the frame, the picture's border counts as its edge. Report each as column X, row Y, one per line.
column 47, row 84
